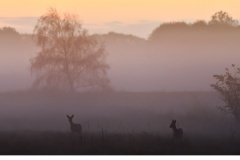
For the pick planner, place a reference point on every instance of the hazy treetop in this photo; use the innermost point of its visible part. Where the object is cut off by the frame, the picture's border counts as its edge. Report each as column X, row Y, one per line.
column 8, row 31
column 219, row 21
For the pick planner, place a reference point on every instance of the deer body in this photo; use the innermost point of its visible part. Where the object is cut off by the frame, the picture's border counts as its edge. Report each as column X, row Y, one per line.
column 75, row 128
column 177, row 132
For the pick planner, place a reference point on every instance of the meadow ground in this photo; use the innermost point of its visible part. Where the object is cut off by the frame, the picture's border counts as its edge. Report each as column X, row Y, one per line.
column 62, row 143
column 35, row 123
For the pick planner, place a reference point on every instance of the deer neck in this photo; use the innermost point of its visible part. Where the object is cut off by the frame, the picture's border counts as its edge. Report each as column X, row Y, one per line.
column 71, row 123
column 174, row 129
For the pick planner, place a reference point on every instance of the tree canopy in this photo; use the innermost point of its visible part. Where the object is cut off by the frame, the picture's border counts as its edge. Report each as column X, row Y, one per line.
column 69, row 58
column 223, row 18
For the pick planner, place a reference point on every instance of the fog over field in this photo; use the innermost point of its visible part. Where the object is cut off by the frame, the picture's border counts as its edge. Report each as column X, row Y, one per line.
column 170, row 60
column 115, row 112
column 165, row 76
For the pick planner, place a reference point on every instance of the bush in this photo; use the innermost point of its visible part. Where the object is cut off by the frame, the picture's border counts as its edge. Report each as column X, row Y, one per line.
column 228, row 86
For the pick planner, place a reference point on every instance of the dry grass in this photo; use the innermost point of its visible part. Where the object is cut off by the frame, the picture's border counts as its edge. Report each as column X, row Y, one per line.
column 60, row 143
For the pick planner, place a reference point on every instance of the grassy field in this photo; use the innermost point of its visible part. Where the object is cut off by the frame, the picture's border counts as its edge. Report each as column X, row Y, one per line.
column 62, row 143
column 35, row 123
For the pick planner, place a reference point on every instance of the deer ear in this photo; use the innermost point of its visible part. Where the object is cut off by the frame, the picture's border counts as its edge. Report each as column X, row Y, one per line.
column 68, row 116
column 72, row 116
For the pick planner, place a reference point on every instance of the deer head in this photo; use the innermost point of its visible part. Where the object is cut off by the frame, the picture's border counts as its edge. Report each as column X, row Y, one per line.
column 173, row 124
column 70, row 118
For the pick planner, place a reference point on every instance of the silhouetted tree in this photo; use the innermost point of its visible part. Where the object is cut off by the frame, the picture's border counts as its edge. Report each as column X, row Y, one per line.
column 220, row 20
column 228, row 86
column 9, row 35
column 199, row 24
column 166, row 28
column 223, row 18
column 9, row 32
column 69, row 58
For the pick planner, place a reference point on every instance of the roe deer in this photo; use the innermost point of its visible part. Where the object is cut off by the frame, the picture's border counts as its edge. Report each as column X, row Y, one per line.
column 75, row 128
column 177, row 132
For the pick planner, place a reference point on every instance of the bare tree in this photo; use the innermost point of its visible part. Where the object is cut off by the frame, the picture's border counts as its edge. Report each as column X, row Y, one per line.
column 69, row 58
column 228, row 86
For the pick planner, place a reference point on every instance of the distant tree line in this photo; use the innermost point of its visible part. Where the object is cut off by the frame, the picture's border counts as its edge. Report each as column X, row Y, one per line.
column 8, row 31
column 219, row 21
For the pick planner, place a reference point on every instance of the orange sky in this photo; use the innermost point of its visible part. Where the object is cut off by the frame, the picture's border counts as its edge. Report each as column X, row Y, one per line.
column 123, row 10
column 138, row 17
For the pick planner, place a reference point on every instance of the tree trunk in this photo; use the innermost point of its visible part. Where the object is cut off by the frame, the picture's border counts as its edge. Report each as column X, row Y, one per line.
column 70, row 81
